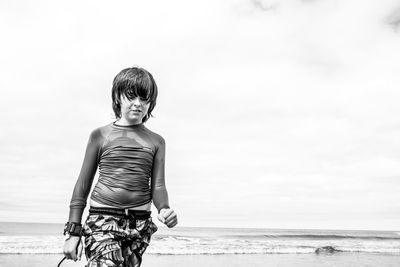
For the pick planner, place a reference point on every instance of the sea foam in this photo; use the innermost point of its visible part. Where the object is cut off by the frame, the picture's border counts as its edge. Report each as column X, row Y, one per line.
column 233, row 244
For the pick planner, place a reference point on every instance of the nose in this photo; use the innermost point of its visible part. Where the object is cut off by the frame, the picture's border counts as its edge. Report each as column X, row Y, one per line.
column 136, row 102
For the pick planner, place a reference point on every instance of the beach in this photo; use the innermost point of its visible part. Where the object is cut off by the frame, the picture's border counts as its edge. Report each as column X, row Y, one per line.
column 29, row 244
column 256, row 260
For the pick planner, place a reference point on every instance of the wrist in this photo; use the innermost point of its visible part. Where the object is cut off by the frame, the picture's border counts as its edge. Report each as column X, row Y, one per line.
column 73, row 229
column 163, row 208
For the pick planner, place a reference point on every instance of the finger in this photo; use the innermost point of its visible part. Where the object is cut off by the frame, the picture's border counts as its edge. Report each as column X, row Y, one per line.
column 73, row 256
column 168, row 213
column 161, row 218
column 171, row 217
column 67, row 255
column 172, row 222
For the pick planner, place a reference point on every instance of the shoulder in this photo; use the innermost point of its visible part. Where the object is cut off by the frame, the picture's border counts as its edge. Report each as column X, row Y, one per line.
column 99, row 134
column 156, row 139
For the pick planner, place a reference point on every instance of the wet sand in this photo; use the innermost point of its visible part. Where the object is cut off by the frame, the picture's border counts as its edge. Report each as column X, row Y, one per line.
column 256, row 260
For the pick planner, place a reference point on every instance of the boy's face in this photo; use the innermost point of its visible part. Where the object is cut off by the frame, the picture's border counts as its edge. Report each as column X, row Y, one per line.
column 133, row 111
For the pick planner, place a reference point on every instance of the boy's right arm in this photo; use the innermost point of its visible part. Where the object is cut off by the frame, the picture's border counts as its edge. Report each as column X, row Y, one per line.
column 81, row 191
column 86, row 176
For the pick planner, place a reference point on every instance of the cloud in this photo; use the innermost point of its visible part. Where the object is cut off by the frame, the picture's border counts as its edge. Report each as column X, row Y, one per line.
column 273, row 106
column 393, row 18
column 265, row 5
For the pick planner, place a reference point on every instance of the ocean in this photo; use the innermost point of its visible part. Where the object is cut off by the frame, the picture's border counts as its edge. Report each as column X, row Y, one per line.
column 43, row 238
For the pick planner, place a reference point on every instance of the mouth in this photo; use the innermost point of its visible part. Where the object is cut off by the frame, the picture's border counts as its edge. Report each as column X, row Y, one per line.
column 136, row 110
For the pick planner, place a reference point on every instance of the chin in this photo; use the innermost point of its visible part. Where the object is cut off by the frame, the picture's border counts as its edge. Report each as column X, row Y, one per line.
column 136, row 119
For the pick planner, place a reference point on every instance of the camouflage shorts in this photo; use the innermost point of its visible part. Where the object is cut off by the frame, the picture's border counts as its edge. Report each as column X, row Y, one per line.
column 116, row 240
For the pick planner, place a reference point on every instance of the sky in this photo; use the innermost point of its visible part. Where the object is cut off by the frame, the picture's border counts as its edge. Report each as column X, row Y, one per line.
column 276, row 114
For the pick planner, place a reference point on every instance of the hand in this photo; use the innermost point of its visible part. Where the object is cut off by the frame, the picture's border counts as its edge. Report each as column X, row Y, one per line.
column 168, row 217
column 73, row 248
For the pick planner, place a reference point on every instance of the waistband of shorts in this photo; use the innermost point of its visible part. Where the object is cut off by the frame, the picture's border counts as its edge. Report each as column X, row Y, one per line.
column 137, row 214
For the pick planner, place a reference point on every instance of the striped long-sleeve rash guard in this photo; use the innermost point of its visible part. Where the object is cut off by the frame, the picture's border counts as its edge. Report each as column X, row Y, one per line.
column 130, row 160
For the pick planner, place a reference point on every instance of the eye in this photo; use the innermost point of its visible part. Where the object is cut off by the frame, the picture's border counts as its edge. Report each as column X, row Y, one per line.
column 146, row 100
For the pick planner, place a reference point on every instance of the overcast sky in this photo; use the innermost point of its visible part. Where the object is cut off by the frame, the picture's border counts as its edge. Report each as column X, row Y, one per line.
column 276, row 114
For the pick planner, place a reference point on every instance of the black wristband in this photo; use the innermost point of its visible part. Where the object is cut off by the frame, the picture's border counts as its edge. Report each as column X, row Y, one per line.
column 73, row 229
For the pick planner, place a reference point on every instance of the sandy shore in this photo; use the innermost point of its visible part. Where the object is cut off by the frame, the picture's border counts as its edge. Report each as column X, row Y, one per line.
column 281, row 260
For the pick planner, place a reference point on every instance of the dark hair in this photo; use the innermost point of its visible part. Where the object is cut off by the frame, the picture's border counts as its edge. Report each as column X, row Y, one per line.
column 134, row 82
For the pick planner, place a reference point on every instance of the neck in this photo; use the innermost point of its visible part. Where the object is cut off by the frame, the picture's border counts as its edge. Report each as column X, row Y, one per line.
column 124, row 122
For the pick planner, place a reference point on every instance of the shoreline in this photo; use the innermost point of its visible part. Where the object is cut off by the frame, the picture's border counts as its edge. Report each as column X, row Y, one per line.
column 229, row 254
column 343, row 259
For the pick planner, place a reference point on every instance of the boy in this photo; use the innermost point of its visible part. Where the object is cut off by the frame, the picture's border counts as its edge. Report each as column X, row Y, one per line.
column 131, row 160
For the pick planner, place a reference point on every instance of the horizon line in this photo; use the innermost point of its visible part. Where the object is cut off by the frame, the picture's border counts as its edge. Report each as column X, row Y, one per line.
column 222, row 227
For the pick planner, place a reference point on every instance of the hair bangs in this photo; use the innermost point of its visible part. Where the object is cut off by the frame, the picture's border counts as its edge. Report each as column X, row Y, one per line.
column 142, row 87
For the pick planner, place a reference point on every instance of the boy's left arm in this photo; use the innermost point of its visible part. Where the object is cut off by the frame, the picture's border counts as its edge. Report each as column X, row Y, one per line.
column 159, row 191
